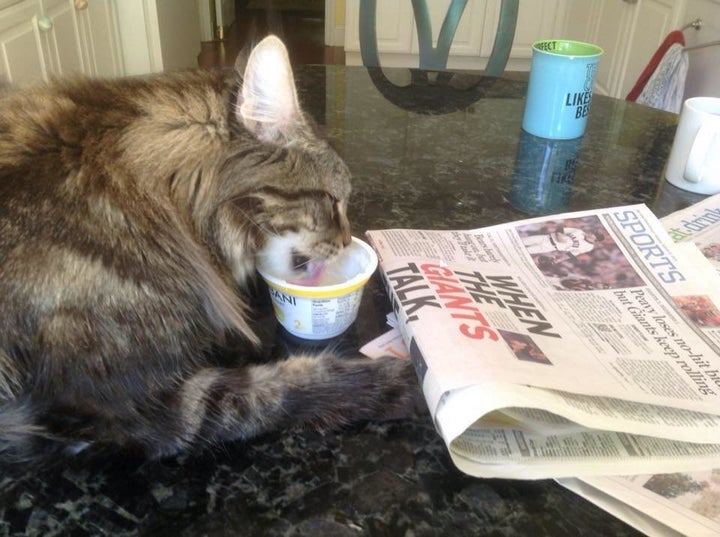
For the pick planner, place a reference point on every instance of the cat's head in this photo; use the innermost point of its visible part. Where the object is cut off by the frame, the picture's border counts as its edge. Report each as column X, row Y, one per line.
column 300, row 199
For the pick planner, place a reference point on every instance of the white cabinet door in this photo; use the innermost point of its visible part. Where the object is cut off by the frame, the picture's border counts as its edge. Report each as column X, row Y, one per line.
column 629, row 32
column 606, row 23
column 100, row 38
column 474, row 38
column 22, row 58
column 84, row 37
column 654, row 20
column 468, row 40
column 62, row 39
column 395, row 26
column 536, row 20
column 42, row 38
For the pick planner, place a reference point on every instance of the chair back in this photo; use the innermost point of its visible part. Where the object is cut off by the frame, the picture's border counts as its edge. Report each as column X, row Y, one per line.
column 436, row 58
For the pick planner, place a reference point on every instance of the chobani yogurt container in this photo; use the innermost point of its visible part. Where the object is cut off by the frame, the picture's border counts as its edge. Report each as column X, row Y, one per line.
column 327, row 310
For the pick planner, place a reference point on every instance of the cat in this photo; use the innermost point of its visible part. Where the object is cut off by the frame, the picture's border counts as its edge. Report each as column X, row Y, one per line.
column 132, row 214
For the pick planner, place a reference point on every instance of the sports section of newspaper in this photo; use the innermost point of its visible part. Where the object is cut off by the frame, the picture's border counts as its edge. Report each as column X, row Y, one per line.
column 678, row 503
column 699, row 224
column 576, row 345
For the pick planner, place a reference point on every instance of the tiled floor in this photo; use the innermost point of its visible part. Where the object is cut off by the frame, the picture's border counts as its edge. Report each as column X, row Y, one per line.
column 302, row 31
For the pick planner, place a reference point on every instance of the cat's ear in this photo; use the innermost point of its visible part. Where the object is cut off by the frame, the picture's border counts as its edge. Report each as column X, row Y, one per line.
column 268, row 104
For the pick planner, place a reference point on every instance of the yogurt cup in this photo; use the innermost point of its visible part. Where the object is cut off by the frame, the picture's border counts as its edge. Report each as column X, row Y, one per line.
column 324, row 311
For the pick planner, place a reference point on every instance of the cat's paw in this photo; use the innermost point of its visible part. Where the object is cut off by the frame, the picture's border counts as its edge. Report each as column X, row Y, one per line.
column 411, row 400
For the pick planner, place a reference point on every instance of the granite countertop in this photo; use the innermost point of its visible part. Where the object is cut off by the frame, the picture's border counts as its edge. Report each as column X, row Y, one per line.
column 465, row 167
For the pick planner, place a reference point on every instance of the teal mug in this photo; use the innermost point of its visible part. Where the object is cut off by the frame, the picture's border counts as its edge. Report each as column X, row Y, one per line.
column 560, row 89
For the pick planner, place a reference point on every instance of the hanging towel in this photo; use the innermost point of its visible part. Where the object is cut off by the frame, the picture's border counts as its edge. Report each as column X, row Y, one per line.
column 673, row 38
column 666, row 86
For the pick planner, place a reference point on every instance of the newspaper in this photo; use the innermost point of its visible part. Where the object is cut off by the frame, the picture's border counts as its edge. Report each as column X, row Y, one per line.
column 668, row 504
column 664, row 505
column 698, row 224
column 582, row 344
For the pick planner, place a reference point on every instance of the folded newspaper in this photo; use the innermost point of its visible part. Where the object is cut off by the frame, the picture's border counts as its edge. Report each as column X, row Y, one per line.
column 679, row 503
column 577, row 345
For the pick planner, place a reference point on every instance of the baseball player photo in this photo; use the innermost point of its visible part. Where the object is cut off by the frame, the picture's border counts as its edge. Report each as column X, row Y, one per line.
column 569, row 240
column 578, row 254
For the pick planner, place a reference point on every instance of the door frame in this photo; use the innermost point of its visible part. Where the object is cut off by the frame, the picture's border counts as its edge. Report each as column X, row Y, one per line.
column 334, row 33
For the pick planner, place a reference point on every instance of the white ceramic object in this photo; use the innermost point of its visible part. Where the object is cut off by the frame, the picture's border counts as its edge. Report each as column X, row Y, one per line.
column 694, row 163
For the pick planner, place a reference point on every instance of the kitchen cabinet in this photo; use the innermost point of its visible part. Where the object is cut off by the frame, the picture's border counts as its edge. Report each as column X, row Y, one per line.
column 473, row 42
column 22, row 57
column 100, row 38
column 61, row 36
column 629, row 31
column 43, row 38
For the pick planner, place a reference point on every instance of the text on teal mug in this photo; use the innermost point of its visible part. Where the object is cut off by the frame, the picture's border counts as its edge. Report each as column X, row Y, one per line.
column 560, row 89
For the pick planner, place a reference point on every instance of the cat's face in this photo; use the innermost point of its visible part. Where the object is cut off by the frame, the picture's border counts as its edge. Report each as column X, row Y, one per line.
column 306, row 226
column 301, row 202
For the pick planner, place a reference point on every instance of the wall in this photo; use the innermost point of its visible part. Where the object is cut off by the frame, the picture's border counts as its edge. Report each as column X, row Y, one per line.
column 179, row 33
column 704, row 71
column 158, row 35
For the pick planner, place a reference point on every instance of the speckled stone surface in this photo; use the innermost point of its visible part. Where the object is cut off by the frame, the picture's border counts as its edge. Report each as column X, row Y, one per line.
column 462, row 168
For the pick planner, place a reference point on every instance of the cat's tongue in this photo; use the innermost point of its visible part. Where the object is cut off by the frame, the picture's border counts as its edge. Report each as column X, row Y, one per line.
column 314, row 271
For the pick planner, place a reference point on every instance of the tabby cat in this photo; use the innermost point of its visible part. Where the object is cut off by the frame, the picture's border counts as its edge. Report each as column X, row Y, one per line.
column 132, row 213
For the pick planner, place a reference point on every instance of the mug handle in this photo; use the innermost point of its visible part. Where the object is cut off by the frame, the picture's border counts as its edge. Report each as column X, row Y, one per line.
column 704, row 155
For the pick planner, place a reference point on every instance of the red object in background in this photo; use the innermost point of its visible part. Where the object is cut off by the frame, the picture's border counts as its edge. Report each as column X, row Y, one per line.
column 674, row 37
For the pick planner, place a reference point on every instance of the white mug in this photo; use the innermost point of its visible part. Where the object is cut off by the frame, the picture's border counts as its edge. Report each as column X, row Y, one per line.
column 694, row 163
